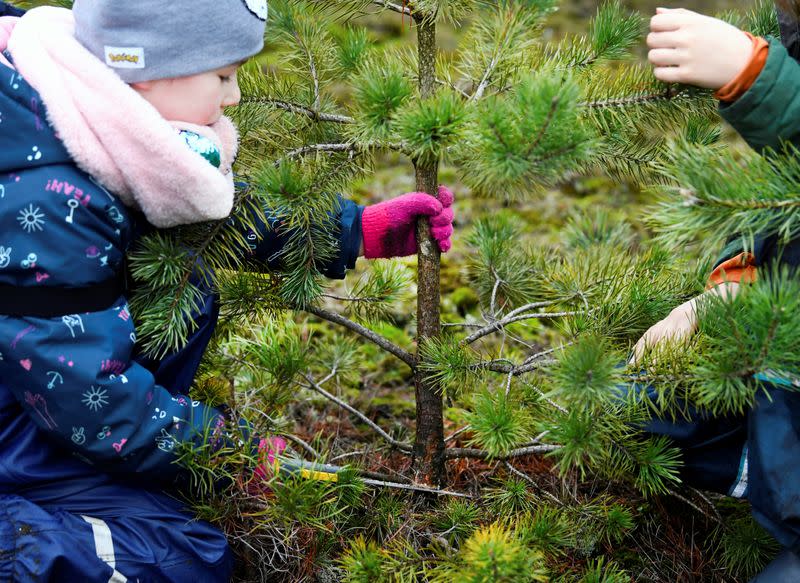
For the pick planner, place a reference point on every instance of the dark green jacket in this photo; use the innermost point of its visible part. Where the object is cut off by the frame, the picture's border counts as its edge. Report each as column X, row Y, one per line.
column 769, row 112
column 767, row 115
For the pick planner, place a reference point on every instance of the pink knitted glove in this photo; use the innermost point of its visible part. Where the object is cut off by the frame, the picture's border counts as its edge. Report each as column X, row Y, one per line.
column 388, row 227
column 268, row 449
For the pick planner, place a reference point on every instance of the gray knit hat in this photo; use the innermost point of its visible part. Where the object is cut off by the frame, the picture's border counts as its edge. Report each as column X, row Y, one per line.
column 145, row 40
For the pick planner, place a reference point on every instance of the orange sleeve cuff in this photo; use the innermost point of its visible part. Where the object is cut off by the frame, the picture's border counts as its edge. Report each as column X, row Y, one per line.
column 737, row 269
column 737, row 86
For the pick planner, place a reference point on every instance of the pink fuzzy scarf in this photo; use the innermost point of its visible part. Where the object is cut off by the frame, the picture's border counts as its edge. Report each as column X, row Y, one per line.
column 112, row 133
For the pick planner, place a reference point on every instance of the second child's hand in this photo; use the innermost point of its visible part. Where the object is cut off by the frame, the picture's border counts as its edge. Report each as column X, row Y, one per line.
column 679, row 326
column 687, row 47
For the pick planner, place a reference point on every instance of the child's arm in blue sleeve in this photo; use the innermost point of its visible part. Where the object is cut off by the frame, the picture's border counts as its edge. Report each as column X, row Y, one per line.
column 267, row 243
column 8, row 10
column 76, row 379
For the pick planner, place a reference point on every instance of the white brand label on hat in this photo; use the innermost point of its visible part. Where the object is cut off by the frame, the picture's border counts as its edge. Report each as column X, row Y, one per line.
column 258, row 7
column 125, row 57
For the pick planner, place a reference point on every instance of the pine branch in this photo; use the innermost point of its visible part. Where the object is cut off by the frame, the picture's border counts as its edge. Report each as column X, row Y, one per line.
column 705, row 499
column 493, row 301
column 538, row 355
column 297, row 441
column 452, row 86
column 345, row 147
column 405, row 447
column 312, row 67
column 509, row 319
column 484, row 82
column 456, row 433
column 533, row 482
column 545, row 125
column 472, row 453
column 369, row 300
column 753, row 204
column 668, row 94
column 339, row 147
column 392, row 6
column 370, row 335
column 514, row 370
column 300, row 109
column 715, row 516
column 417, row 488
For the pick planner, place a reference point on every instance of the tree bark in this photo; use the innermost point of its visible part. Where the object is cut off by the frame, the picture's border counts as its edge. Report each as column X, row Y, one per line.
column 429, row 442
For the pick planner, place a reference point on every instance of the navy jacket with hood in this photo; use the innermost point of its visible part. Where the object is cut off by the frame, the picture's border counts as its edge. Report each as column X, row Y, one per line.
column 77, row 376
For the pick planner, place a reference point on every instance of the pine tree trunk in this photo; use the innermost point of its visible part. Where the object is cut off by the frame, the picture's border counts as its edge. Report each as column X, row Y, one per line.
column 429, row 441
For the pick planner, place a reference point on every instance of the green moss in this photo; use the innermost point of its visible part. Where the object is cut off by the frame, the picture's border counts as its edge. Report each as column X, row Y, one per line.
column 464, row 299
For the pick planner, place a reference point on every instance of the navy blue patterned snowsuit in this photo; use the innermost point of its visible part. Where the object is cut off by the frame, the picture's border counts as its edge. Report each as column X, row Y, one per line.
column 85, row 421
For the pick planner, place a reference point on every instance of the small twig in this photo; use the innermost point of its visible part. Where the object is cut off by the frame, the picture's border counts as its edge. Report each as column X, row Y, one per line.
column 354, row 299
column 416, row 488
column 539, row 437
column 533, row 482
column 385, row 477
column 529, row 307
column 486, row 77
column 516, row 370
column 463, row 93
column 347, row 455
column 301, row 109
column 493, row 301
column 370, row 335
column 508, row 319
column 465, row 452
column 508, row 381
column 346, row 147
column 329, row 376
column 393, row 6
column 455, row 434
column 633, row 100
column 406, row 447
column 353, row 150
column 545, row 126
column 547, row 399
column 694, row 506
column 533, row 357
column 313, row 68
column 296, row 440
column 711, row 505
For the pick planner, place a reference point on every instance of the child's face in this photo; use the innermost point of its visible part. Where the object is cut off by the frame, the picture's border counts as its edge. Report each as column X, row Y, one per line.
column 197, row 99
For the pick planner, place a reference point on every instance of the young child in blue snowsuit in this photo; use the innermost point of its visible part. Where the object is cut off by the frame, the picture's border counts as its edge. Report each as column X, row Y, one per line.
column 111, row 125
column 755, row 455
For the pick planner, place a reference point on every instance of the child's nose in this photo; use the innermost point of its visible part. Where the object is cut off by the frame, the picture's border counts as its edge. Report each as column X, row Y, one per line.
column 233, row 97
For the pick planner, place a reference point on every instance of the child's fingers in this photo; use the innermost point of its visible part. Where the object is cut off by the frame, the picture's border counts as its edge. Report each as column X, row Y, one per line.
column 670, row 74
column 672, row 20
column 445, row 196
column 443, row 218
column 638, row 350
column 666, row 57
column 664, row 40
column 442, row 233
column 424, row 204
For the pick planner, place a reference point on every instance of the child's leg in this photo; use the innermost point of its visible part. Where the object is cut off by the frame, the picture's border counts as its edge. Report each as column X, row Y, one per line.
column 713, row 448
column 774, row 464
column 38, row 546
column 110, row 533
